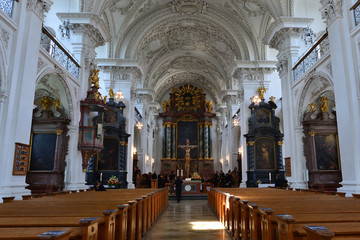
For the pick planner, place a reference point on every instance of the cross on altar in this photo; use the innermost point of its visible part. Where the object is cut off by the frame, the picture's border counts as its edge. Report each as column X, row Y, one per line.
column 187, row 149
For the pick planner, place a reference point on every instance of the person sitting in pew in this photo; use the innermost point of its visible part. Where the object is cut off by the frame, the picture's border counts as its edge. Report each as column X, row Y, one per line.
column 99, row 187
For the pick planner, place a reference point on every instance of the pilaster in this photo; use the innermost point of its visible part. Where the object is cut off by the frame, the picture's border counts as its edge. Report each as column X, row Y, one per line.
column 284, row 35
column 345, row 75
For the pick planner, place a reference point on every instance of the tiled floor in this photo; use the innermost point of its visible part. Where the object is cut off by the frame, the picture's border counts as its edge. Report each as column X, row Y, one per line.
column 189, row 219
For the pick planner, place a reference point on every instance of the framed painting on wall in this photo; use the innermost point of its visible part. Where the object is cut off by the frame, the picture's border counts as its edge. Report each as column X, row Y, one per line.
column 265, row 154
column 327, row 153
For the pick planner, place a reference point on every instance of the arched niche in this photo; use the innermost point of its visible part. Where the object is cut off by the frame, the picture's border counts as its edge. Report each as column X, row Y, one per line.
column 49, row 140
column 321, row 147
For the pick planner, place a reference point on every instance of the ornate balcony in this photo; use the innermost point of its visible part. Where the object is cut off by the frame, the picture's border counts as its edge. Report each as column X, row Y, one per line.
column 7, row 6
column 311, row 57
column 59, row 53
column 356, row 9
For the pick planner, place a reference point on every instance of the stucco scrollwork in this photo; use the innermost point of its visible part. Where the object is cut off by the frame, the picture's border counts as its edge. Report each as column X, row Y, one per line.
column 331, row 9
column 188, row 6
column 5, row 36
column 40, row 7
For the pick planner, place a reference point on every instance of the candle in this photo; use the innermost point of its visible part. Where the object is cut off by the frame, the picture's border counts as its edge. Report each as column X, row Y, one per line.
column 269, row 176
column 177, row 172
column 182, row 172
column 100, row 177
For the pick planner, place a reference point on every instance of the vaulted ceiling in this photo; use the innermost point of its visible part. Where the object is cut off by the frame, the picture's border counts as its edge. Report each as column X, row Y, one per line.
column 177, row 41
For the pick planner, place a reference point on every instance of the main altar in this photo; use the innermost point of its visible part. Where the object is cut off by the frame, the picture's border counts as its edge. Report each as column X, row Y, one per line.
column 187, row 121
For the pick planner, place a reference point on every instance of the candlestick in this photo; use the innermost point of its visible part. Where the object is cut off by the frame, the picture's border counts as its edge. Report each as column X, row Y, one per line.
column 270, row 177
column 182, row 172
column 100, row 177
column 177, row 172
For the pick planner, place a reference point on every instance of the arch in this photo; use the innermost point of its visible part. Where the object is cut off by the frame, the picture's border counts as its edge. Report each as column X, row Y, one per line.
column 55, row 85
column 316, row 85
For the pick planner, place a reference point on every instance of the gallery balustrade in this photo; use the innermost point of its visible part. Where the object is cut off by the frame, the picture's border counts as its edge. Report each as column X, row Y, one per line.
column 311, row 57
column 7, row 6
column 59, row 52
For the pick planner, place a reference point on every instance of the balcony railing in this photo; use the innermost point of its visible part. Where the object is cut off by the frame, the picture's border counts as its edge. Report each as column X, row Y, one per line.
column 7, row 6
column 59, row 53
column 356, row 9
column 311, row 57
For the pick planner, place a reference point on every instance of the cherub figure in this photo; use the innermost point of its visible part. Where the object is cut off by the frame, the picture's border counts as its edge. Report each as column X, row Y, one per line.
column 57, row 104
column 312, row 107
column 46, row 102
column 94, row 79
column 111, row 93
column 324, row 104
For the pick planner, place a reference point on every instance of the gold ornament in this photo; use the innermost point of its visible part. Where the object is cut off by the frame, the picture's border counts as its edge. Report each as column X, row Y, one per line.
column 272, row 98
column 111, row 93
column 261, row 91
column 104, row 99
column 46, row 102
column 312, row 107
column 324, row 104
column 94, row 79
column 57, row 104
column 209, row 105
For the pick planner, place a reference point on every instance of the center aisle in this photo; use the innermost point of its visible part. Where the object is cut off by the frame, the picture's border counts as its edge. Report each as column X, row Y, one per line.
column 189, row 219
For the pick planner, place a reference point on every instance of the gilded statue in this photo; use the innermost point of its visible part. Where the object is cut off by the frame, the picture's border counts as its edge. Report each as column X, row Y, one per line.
column 97, row 96
column 104, row 99
column 272, row 98
column 165, row 104
column 57, row 104
column 209, row 105
column 94, row 79
column 324, row 104
column 261, row 91
column 312, row 107
column 46, row 102
column 111, row 93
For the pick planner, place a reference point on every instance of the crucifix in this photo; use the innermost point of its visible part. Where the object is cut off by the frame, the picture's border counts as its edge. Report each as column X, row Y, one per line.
column 187, row 149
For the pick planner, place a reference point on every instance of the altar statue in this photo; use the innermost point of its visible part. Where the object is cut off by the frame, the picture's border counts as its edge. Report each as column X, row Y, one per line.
column 187, row 149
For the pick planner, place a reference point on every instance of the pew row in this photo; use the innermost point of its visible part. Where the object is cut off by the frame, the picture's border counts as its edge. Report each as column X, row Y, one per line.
column 121, row 214
column 254, row 213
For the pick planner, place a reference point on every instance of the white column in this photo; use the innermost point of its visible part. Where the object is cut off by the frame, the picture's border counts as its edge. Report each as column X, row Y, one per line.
column 22, row 72
column 284, row 35
column 345, row 75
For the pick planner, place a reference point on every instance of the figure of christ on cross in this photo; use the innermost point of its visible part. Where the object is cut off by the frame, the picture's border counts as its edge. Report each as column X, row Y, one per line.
column 187, row 149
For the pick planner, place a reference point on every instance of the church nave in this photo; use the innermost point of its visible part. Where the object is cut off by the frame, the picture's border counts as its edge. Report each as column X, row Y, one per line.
column 189, row 219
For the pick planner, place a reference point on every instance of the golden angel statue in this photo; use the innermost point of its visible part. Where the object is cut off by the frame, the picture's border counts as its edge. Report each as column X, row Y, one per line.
column 94, row 79
column 46, row 102
column 165, row 104
column 324, row 104
column 261, row 91
column 111, row 93
column 57, row 104
column 209, row 105
column 312, row 107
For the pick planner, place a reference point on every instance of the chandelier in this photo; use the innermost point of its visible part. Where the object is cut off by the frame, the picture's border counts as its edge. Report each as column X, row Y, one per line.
column 66, row 27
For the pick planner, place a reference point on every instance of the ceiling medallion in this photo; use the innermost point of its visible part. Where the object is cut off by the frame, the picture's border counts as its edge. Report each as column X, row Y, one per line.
column 188, row 6
column 188, row 98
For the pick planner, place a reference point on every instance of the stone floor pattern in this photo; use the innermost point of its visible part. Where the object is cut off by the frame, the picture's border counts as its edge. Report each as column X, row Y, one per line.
column 189, row 219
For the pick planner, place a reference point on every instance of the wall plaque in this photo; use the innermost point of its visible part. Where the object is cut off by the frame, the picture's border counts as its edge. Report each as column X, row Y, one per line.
column 21, row 159
column 288, row 167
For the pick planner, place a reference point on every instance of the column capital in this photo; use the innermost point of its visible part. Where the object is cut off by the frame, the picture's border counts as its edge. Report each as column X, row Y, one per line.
column 331, row 9
column 89, row 24
column 283, row 28
column 39, row 7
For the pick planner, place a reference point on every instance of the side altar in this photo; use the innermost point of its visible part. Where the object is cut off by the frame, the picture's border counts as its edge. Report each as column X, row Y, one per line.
column 187, row 121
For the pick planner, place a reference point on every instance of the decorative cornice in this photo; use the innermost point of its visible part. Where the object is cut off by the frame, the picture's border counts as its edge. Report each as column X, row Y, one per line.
column 331, row 9
column 89, row 20
column 92, row 32
column 284, row 27
column 39, row 7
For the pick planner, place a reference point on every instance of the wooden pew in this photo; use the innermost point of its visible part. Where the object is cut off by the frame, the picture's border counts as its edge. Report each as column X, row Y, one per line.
column 116, row 227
